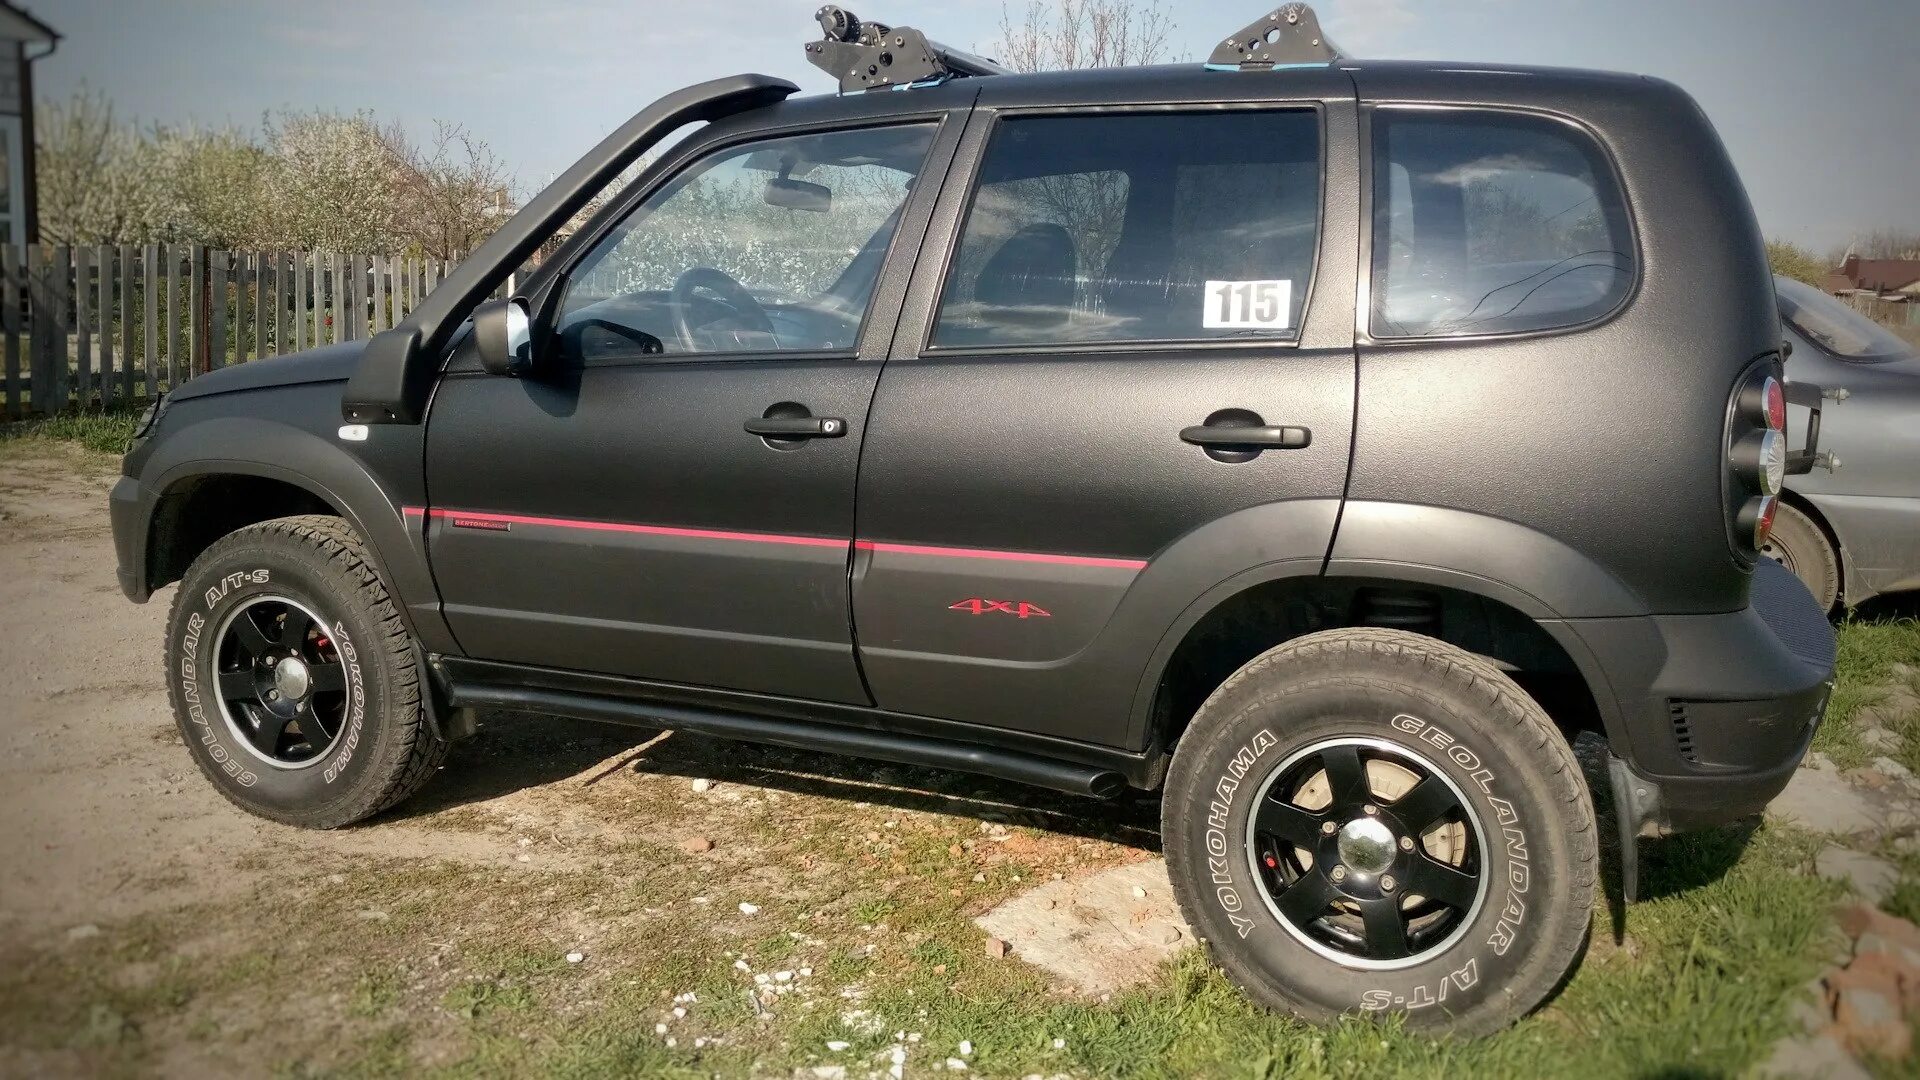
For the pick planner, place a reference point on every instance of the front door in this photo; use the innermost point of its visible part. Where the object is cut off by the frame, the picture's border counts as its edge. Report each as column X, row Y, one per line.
column 1138, row 332
column 676, row 500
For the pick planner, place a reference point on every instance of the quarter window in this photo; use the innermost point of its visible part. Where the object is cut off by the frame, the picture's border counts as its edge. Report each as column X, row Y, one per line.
column 772, row 247
column 1491, row 223
column 1137, row 227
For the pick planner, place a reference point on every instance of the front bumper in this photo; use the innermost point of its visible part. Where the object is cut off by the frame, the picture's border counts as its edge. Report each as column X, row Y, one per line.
column 1712, row 713
column 130, row 508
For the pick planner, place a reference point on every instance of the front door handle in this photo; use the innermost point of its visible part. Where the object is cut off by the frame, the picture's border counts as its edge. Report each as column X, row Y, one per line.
column 1248, row 437
column 797, row 427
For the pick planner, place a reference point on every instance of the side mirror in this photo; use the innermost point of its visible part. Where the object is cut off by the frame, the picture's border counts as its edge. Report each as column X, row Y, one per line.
column 791, row 194
column 503, row 330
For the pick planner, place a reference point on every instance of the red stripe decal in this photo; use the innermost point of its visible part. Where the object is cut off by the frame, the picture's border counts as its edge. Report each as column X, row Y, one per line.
column 776, row 538
column 1004, row 556
column 647, row 530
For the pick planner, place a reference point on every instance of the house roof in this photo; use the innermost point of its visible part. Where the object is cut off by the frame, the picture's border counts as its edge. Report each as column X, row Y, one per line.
column 1836, row 283
column 19, row 24
column 1883, row 275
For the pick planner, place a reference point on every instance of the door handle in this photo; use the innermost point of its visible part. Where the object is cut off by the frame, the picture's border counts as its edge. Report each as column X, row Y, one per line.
column 796, row 427
column 1248, row 437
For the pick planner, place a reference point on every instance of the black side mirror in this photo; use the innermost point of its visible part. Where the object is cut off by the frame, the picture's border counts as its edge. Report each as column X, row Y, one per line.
column 503, row 330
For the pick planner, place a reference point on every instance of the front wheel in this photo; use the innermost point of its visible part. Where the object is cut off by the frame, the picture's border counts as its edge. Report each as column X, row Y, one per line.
column 1370, row 821
column 293, row 680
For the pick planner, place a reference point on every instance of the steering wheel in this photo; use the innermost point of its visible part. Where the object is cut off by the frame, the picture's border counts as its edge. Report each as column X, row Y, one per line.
column 731, row 294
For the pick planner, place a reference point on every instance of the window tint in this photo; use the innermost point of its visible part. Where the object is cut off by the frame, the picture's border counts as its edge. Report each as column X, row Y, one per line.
column 1835, row 327
column 1487, row 223
column 770, row 247
column 1135, row 227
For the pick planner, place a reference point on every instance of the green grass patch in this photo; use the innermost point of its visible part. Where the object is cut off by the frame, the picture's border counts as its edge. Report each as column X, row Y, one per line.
column 105, row 431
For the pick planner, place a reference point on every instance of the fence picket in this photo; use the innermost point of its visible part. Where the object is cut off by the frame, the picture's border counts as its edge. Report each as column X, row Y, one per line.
column 149, row 267
column 301, row 262
column 127, row 365
column 103, row 311
column 337, row 308
column 82, row 382
column 10, row 298
column 199, row 356
column 217, row 309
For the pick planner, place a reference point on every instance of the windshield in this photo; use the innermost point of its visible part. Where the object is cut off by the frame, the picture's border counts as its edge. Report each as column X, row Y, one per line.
column 1835, row 327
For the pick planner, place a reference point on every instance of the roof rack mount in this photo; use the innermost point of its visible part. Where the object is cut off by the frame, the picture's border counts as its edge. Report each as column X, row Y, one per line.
column 1288, row 36
column 875, row 56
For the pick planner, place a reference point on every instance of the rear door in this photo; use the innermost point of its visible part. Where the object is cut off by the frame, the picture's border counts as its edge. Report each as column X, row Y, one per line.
column 1128, row 321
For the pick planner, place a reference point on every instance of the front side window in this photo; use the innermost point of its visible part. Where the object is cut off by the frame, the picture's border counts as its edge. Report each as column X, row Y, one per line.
column 1492, row 223
column 1137, row 227
column 767, row 248
column 1835, row 327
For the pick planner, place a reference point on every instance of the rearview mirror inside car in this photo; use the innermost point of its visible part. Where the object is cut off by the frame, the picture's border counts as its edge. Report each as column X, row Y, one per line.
column 799, row 195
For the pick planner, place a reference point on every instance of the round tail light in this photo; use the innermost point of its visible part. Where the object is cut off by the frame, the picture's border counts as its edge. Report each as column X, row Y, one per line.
column 1762, row 455
column 1756, row 519
column 1773, row 403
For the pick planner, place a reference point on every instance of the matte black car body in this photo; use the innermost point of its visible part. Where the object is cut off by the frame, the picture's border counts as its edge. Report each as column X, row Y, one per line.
column 1554, row 500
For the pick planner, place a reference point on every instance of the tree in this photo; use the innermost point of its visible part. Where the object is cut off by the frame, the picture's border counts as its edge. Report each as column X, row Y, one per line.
column 453, row 193
column 1793, row 261
column 1072, row 34
column 97, row 179
column 215, row 187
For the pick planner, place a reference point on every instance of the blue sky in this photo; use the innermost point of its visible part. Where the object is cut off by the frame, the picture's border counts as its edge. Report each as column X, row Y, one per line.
column 1819, row 102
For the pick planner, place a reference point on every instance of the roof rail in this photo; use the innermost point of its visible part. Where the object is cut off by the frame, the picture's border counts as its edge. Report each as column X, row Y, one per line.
column 875, row 56
column 1288, row 36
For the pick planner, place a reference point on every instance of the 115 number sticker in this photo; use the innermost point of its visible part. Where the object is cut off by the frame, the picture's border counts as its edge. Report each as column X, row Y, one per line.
column 1248, row 305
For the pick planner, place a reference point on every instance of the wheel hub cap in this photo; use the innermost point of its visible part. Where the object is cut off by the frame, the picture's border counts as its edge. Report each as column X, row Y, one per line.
column 1367, row 846
column 290, row 678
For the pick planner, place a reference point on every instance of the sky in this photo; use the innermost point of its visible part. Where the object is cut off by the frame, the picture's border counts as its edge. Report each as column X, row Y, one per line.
column 1819, row 103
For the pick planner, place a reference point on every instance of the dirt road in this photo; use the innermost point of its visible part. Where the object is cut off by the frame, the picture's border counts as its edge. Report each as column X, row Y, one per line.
column 147, row 924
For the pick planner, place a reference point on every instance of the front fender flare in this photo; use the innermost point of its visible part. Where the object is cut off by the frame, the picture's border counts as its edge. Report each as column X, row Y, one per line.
column 248, row 446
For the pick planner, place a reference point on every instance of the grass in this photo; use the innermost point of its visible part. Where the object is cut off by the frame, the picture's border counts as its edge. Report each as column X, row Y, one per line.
column 106, row 430
column 1870, row 649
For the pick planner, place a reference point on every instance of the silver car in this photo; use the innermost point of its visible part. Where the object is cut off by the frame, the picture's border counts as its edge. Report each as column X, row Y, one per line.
column 1853, row 532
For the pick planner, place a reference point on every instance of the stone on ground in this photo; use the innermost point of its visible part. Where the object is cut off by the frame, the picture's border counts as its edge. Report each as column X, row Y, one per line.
column 1095, row 932
column 1821, row 1056
column 1868, row 877
column 1820, row 800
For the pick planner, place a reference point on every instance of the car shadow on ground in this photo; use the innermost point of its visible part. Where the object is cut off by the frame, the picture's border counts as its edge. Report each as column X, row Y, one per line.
column 516, row 751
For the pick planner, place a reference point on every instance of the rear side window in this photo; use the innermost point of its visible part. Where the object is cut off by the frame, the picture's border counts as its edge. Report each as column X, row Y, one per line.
column 1137, row 227
column 1492, row 223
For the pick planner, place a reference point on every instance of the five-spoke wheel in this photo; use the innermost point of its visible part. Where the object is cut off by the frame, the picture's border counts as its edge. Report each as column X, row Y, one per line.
column 1368, row 854
column 283, row 689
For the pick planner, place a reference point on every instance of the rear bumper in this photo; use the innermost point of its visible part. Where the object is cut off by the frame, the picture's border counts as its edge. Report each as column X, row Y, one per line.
column 1712, row 713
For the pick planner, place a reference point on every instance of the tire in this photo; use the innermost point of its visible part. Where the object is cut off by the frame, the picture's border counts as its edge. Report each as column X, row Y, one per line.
column 1461, row 741
column 1799, row 544
column 291, row 612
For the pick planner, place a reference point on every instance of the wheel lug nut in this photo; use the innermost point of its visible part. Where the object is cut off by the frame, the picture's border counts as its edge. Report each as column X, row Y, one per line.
column 1370, row 809
column 1329, row 828
column 1387, row 883
column 1339, row 873
column 273, row 695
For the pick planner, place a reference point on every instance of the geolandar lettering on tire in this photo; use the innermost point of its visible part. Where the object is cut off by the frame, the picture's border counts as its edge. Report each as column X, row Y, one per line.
column 356, row 702
column 190, row 667
column 1218, row 848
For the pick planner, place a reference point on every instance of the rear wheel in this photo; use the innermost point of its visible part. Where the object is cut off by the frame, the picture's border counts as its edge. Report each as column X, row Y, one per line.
column 1376, row 822
column 293, row 680
column 1798, row 543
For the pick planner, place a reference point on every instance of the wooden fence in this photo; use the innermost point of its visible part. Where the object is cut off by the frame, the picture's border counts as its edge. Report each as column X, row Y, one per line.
column 1904, row 313
column 109, row 324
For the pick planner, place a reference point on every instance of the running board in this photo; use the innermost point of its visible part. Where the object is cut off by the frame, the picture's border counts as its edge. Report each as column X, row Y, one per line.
column 897, row 747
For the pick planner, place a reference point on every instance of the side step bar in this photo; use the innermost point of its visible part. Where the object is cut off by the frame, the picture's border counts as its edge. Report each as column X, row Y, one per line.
column 897, row 747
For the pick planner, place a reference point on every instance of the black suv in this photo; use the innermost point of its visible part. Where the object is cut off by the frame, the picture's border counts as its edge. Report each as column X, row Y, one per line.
column 1322, row 444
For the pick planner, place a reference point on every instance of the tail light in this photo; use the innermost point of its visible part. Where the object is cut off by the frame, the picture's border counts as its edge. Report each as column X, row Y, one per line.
column 1756, row 454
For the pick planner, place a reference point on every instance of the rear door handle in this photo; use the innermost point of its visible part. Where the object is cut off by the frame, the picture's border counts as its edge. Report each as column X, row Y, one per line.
column 1250, row 437
column 797, row 427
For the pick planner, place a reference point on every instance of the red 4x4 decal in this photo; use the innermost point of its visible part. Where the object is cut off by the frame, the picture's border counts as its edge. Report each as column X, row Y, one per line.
column 1019, row 609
